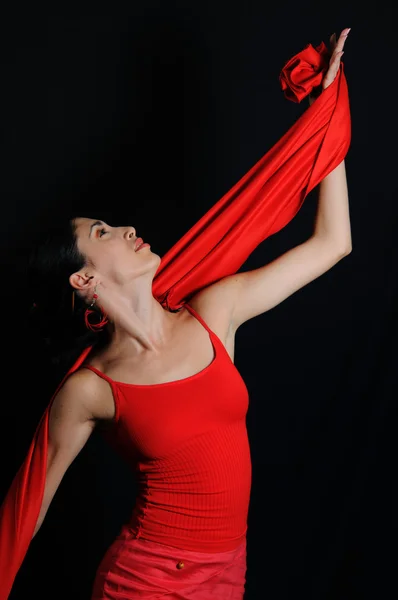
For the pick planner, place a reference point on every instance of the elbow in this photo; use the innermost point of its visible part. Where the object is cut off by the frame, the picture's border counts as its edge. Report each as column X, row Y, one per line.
column 344, row 251
column 334, row 253
column 335, row 250
column 340, row 248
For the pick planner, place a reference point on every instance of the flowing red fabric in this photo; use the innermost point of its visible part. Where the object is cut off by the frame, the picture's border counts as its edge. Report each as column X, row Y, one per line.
column 259, row 205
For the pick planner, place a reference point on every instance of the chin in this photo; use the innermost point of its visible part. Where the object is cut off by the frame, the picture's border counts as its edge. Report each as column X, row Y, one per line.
column 157, row 259
column 152, row 260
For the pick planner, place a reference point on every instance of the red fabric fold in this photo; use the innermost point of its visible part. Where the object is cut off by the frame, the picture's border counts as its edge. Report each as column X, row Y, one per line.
column 257, row 206
column 304, row 72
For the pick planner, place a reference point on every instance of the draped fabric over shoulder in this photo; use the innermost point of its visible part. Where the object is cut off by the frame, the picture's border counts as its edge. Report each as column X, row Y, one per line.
column 261, row 203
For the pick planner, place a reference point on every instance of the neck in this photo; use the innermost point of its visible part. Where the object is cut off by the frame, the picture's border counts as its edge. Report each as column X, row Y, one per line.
column 137, row 319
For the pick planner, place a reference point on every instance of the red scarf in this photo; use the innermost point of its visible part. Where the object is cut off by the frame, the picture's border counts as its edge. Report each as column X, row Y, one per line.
column 259, row 205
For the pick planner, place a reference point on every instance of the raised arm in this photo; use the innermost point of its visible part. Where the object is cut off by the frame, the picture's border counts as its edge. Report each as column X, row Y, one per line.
column 240, row 297
column 83, row 400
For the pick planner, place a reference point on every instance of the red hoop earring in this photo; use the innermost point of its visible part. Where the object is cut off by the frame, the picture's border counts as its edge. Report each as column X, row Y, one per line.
column 103, row 318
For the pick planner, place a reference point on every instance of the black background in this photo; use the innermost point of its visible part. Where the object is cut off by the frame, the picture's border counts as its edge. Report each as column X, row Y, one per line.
column 150, row 112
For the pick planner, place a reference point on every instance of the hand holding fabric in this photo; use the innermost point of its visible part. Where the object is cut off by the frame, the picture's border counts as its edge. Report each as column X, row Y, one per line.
column 313, row 69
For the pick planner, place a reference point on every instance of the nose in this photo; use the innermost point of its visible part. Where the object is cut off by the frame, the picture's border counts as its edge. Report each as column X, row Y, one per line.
column 129, row 233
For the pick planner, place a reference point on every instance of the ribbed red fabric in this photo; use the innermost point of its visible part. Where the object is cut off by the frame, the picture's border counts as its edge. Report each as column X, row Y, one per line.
column 260, row 204
column 187, row 442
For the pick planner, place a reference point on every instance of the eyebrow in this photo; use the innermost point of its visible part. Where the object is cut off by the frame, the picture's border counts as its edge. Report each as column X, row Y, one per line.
column 94, row 225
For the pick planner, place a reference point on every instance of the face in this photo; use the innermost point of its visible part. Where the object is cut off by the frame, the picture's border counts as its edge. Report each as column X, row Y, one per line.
column 114, row 254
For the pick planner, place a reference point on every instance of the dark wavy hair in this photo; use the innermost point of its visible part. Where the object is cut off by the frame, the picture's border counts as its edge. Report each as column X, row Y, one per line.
column 56, row 313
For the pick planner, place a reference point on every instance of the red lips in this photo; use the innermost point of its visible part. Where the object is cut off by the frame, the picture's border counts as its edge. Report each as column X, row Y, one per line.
column 138, row 243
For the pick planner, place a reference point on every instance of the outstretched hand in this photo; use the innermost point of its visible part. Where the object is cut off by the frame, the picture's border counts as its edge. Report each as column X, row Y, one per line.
column 337, row 53
column 336, row 48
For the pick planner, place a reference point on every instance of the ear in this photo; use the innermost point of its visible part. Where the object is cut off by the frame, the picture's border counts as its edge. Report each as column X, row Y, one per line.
column 82, row 282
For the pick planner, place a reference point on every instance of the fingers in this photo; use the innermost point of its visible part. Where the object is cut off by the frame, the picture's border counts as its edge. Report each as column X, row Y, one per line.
column 339, row 45
column 337, row 53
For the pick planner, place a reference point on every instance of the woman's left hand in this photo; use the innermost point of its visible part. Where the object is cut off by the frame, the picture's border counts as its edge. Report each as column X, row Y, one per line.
column 335, row 58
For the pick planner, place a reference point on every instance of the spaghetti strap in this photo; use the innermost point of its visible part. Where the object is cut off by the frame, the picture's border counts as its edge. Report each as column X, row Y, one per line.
column 215, row 340
column 199, row 318
column 113, row 386
column 99, row 373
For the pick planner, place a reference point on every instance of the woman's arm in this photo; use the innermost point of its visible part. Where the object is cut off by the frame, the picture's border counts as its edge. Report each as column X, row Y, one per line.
column 246, row 295
column 82, row 400
column 240, row 297
column 260, row 290
column 332, row 223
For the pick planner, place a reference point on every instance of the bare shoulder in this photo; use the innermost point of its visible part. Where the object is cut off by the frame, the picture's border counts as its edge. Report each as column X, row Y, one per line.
column 215, row 305
column 84, row 396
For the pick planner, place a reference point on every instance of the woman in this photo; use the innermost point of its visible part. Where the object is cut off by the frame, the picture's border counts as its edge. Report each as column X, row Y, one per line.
column 163, row 387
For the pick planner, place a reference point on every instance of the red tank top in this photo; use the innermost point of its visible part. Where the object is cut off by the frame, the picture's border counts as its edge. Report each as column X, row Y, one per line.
column 187, row 442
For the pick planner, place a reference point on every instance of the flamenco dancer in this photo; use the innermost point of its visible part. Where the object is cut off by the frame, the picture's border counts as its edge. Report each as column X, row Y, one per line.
column 158, row 378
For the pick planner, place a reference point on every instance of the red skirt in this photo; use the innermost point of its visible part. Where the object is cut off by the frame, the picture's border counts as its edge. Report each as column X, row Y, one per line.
column 138, row 568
